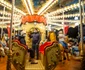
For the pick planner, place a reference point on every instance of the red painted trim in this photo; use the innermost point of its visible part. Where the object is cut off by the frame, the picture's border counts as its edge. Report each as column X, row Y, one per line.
column 45, row 45
column 20, row 44
column 33, row 18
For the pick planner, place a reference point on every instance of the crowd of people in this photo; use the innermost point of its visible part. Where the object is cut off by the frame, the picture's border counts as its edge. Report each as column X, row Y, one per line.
column 4, row 44
column 3, row 47
column 35, row 44
column 70, row 46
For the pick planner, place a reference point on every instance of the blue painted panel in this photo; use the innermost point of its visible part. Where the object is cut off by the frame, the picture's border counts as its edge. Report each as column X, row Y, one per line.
column 38, row 2
column 73, row 2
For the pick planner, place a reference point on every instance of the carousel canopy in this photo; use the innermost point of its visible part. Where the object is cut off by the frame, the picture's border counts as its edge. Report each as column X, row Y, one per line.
column 55, row 11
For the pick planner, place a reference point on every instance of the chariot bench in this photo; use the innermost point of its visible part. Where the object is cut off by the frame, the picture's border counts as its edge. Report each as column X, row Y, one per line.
column 50, row 55
column 19, row 52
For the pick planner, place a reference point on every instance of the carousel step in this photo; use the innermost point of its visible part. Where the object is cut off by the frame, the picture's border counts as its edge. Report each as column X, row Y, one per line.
column 38, row 66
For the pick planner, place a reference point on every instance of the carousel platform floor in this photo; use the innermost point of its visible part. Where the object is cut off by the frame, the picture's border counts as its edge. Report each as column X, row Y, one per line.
column 38, row 66
column 68, row 65
column 3, row 64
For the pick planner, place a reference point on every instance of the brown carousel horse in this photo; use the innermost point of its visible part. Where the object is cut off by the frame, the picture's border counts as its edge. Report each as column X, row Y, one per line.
column 52, row 37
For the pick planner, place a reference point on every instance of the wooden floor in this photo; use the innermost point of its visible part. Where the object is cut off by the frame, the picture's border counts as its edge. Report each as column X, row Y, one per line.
column 68, row 65
column 3, row 63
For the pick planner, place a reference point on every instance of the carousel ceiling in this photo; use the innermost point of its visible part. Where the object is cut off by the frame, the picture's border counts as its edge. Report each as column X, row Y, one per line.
column 40, row 7
column 52, row 8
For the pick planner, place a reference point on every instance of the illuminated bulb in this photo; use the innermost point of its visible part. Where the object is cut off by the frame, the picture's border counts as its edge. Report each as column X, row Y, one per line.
column 66, row 15
column 73, row 15
column 65, row 8
column 9, row 6
column 76, row 24
column 71, row 6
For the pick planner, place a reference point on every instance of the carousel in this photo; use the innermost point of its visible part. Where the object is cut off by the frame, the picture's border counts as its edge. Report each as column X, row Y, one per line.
column 53, row 20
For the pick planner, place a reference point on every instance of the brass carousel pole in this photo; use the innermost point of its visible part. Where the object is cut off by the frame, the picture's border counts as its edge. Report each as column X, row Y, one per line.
column 81, row 28
column 83, row 9
column 10, row 40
